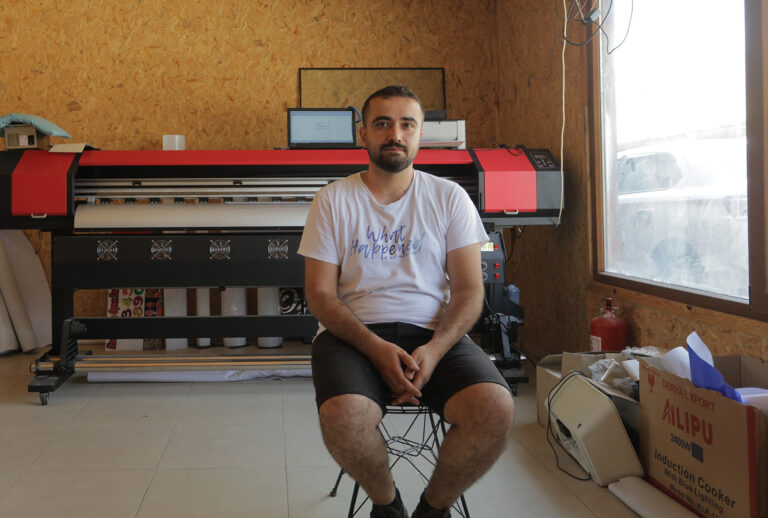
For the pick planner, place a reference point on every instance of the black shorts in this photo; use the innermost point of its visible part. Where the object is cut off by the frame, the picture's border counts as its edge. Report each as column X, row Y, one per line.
column 338, row 368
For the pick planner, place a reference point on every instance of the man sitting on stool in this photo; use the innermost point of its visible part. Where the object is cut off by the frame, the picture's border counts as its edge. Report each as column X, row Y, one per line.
column 393, row 276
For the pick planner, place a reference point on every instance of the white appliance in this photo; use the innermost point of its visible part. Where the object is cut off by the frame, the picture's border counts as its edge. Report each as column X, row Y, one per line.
column 451, row 134
column 589, row 428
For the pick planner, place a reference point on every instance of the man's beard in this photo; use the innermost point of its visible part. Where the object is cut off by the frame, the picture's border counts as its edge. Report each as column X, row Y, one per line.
column 391, row 163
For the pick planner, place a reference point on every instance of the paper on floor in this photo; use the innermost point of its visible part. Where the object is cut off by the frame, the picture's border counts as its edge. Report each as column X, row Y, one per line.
column 646, row 500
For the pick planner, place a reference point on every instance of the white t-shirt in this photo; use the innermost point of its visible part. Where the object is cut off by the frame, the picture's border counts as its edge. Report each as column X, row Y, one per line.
column 392, row 257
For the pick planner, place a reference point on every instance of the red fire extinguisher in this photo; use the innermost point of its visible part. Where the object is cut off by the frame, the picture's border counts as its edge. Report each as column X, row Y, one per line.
column 608, row 332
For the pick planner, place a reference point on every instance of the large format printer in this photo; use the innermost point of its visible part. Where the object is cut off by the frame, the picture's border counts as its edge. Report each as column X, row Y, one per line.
column 218, row 218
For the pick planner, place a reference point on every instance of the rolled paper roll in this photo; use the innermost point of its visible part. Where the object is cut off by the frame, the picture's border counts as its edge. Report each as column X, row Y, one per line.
column 175, row 215
column 233, row 303
column 8, row 341
column 203, row 297
column 175, row 305
column 15, row 304
column 32, row 283
column 269, row 304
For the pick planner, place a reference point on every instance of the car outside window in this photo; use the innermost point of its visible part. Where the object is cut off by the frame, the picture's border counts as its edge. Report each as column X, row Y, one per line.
column 647, row 172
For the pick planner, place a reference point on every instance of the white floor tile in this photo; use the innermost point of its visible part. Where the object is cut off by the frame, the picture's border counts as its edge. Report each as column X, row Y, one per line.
column 8, row 478
column 308, row 492
column 230, row 449
column 140, row 392
column 12, row 382
column 303, row 440
column 22, row 409
column 525, row 490
column 20, row 418
column 115, row 411
column 134, row 448
column 304, row 445
column 76, row 494
column 254, row 444
column 205, row 493
column 247, row 403
column 20, row 448
column 17, row 362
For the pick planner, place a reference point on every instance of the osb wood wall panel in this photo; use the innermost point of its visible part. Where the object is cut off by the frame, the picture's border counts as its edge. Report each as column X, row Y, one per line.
column 665, row 324
column 342, row 87
column 119, row 75
column 551, row 263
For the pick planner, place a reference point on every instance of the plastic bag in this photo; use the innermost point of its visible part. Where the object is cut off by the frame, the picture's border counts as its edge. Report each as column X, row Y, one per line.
column 599, row 368
column 611, row 373
column 703, row 372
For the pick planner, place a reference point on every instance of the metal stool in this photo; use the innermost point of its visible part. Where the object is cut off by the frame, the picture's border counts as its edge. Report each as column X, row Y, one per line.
column 420, row 439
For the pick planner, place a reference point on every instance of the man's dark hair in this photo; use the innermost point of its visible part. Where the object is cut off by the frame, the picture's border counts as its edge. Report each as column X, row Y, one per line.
column 391, row 91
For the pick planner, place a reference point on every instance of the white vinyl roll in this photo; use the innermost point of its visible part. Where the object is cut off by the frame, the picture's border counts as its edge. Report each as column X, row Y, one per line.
column 14, row 302
column 8, row 341
column 32, row 282
column 129, row 344
column 234, row 303
column 198, row 215
column 194, row 376
column 175, row 305
column 203, row 298
column 269, row 304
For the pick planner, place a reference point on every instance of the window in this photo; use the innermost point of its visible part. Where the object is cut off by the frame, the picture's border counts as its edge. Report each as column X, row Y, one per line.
column 676, row 107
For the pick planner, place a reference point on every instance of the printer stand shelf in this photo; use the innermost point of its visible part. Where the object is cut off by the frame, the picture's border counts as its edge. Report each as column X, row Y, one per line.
column 108, row 260
column 53, row 368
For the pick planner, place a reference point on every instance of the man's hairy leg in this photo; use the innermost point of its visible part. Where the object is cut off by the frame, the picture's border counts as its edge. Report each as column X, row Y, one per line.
column 350, row 430
column 481, row 417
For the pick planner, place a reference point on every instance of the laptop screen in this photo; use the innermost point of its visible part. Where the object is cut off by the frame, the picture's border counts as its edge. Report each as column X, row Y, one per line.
column 321, row 128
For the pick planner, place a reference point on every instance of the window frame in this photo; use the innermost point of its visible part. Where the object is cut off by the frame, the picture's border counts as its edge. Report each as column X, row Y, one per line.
column 756, row 39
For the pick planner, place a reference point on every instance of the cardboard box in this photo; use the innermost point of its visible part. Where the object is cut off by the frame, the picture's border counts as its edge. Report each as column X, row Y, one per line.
column 703, row 449
column 25, row 136
column 548, row 373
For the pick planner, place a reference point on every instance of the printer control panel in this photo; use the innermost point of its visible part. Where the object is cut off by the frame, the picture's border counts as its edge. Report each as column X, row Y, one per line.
column 492, row 260
column 542, row 159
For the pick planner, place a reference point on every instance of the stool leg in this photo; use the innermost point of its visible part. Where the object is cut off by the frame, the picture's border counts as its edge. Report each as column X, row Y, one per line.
column 336, row 485
column 438, row 426
column 464, row 506
column 355, row 491
column 353, row 501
